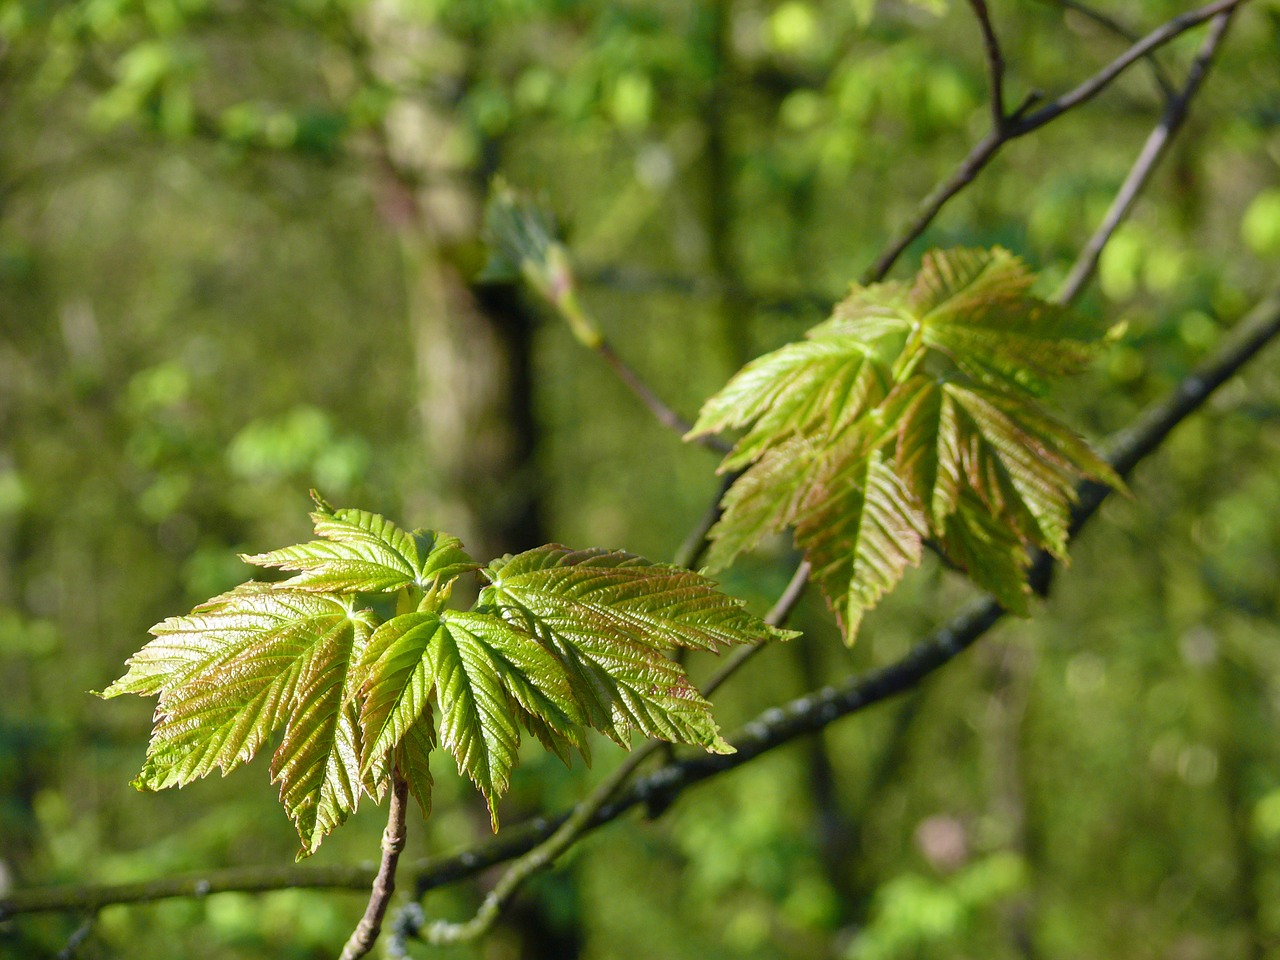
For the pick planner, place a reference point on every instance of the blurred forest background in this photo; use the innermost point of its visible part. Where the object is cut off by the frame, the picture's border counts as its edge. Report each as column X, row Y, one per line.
column 238, row 252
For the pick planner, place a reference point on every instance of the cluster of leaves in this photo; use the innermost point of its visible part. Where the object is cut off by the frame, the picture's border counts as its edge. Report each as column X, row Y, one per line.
column 910, row 415
column 355, row 655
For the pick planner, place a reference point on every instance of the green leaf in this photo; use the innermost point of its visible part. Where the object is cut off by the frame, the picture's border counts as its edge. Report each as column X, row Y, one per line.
column 821, row 384
column 478, row 661
column 927, row 452
column 607, row 616
column 479, row 665
column 993, row 557
column 318, row 761
column 764, row 500
column 910, row 401
column 397, row 682
column 238, row 668
column 975, row 306
column 364, row 552
column 861, row 533
column 1022, row 465
column 869, row 314
column 1021, row 479
column 412, row 756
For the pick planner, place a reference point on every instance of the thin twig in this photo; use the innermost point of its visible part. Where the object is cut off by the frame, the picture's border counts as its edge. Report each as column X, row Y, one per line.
column 384, row 884
column 776, row 617
column 1175, row 113
column 981, row 154
column 442, row 933
column 1090, row 88
column 695, row 542
column 77, row 938
column 664, row 414
column 1113, row 25
column 194, row 886
column 1023, row 121
column 995, row 63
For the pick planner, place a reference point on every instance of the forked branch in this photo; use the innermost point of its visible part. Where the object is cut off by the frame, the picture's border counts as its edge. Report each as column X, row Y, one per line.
column 1025, row 121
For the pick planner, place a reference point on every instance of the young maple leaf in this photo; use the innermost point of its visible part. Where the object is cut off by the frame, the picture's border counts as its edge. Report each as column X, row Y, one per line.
column 242, row 666
column 557, row 641
column 608, row 617
column 911, row 412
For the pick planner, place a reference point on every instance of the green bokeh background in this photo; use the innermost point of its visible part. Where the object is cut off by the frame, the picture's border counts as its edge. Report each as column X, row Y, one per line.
column 227, row 234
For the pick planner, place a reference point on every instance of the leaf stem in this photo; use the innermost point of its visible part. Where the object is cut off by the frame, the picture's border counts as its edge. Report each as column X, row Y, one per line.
column 384, row 884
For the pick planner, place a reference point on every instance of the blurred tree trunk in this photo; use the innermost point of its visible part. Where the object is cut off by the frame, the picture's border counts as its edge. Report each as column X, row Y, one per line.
column 471, row 345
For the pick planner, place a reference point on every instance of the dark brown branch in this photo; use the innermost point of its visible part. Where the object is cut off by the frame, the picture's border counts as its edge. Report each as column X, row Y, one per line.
column 1024, row 121
column 995, row 63
column 817, row 710
column 1175, row 114
column 981, row 154
column 384, row 884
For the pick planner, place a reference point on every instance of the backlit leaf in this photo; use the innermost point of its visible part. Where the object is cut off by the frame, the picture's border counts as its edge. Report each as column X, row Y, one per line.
column 912, row 403
column 764, row 500
column 364, row 552
column 993, row 557
column 242, row 666
column 860, row 533
column 976, row 307
column 607, row 616
column 412, row 756
column 818, row 384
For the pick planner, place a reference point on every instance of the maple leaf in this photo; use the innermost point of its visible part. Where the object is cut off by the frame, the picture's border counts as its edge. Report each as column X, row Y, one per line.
column 608, row 617
column 557, row 640
column 822, row 384
column 474, row 662
column 913, row 402
column 765, row 499
column 364, row 552
column 861, row 533
column 976, row 307
column 990, row 553
column 242, row 666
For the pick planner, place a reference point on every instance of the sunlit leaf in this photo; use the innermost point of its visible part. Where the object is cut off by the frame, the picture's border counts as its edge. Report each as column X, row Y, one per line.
column 558, row 639
column 820, row 384
column 861, row 533
column 412, row 756
column 242, row 666
column 764, row 500
column 976, row 307
column 993, row 556
column 608, row 616
column 397, row 682
column 911, row 403
column 367, row 553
